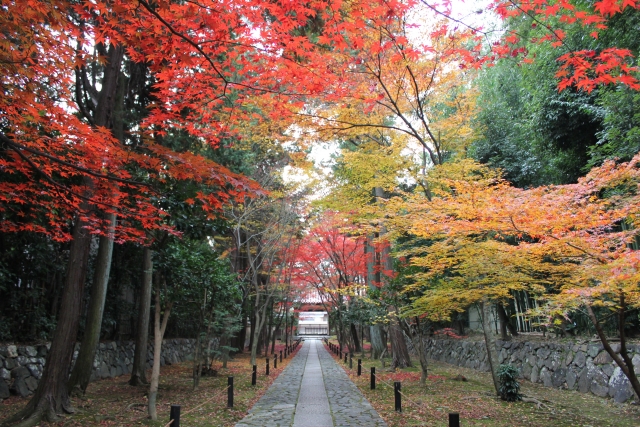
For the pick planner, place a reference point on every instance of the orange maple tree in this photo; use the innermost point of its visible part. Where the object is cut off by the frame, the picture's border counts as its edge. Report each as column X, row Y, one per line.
column 574, row 246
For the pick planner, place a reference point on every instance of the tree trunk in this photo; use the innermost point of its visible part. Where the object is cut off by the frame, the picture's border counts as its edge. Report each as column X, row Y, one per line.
column 224, row 351
column 490, row 343
column 354, row 336
column 415, row 332
column 502, row 316
column 254, row 322
column 268, row 330
column 197, row 362
column 418, row 343
column 81, row 373
column 261, row 334
column 260, row 320
column 505, row 323
column 377, row 345
column 138, row 373
column 399, row 351
column 158, row 333
column 424, row 362
column 199, row 352
column 273, row 337
column 51, row 397
column 286, row 324
column 239, row 340
column 622, row 358
column 340, row 327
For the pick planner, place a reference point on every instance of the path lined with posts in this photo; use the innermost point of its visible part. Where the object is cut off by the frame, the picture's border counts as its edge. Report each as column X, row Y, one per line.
column 313, row 391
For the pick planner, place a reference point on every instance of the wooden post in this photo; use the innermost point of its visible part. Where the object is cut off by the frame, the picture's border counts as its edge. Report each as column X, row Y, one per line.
column 254, row 375
column 454, row 420
column 373, row 378
column 230, row 392
column 174, row 416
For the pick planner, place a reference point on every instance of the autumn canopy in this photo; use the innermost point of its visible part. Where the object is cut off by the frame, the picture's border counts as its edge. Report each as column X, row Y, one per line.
column 471, row 163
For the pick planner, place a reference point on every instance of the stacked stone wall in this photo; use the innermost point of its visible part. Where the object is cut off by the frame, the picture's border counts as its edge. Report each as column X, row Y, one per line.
column 21, row 365
column 580, row 365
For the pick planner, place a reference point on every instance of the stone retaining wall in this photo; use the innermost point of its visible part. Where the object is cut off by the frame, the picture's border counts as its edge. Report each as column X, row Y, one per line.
column 21, row 365
column 582, row 366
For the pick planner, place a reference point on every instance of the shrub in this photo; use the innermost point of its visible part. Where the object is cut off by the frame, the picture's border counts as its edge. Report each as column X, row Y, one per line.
column 509, row 386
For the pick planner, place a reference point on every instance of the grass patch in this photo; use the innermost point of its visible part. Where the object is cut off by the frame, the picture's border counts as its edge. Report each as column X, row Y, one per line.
column 476, row 402
column 112, row 402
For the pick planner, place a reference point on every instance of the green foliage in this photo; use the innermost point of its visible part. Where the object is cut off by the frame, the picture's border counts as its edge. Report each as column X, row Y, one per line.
column 535, row 134
column 200, row 283
column 540, row 136
column 31, row 275
column 509, row 386
column 620, row 137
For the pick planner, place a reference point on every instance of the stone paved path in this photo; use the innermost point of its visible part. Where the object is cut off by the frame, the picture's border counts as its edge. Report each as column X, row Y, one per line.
column 313, row 391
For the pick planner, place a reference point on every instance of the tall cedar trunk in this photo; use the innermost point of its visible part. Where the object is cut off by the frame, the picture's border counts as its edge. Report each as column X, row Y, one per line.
column 286, row 323
column 252, row 328
column 259, row 321
column 138, row 373
column 51, row 396
column 158, row 332
column 399, row 351
column 81, row 373
column 377, row 345
column 199, row 353
column 261, row 337
column 239, row 265
column 258, row 315
column 354, row 337
column 505, row 323
column 490, row 343
column 273, row 336
column 224, row 350
column 511, row 325
column 239, row 340
column 269, row 330
column 502, row 317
